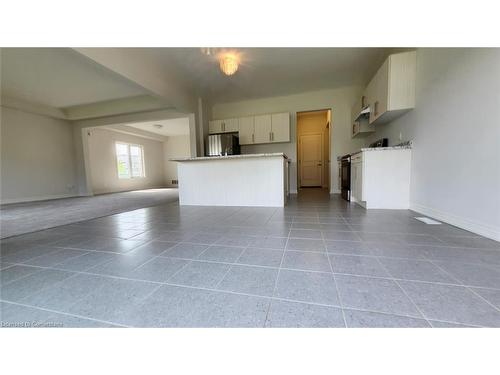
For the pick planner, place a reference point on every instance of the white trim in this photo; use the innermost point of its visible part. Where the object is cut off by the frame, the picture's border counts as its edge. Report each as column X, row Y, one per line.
column 335, row 191
column 460, row 222
column 41, row 198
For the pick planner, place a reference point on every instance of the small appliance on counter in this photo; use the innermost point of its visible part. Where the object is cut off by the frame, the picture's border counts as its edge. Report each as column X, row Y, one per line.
column 382, row 142
column 223, row 144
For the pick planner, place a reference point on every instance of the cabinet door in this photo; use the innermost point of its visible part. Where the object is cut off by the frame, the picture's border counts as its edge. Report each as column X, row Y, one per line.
column 230, row 125
column 215, row 126
column 381, row 90
column 280, row 127
column 246, row 130
column 262, row 125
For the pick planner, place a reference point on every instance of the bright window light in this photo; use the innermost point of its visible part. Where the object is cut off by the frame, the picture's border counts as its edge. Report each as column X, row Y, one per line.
column 130, row 160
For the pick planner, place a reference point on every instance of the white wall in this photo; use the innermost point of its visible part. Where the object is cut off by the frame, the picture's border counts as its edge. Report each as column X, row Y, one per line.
column 174, row 147
column 338, row 100
column 456, row 132
column 102, row 160
column 37, row 157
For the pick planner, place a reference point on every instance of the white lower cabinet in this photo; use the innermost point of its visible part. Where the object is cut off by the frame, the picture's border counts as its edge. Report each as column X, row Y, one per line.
column 380, row 179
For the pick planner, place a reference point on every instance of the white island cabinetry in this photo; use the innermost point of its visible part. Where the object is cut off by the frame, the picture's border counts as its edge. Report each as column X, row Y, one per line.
column 259, row 180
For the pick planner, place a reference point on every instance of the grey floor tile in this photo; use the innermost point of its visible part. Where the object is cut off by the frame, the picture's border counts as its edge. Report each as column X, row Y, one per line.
column 15, row 272
column 479, row 275
column 24, row 255
column 472, row 242
column 305, row 233
column 438, row 324
column 287, row 314
column 412, row 269
column 365, row 319
column 451, row 304
column 185, row 250
column 268, row 242
column 343, row 236
column 200, row 274
column 250, row 280
column 491, row 295
column 174, row 236
column 305, row 245
column 378, row 295
column 60, row 296
column 234, row 240
column 159, row 269
column 121, row 265
column 304, row 286
column 349, row 247
column 33, row 283
column 50, row 260
column 357, row 265
column 217, row 253
column 68, row 321
column 155, row 247
column 400, row 251
column 113, row 299
column 227, row 310
column 305, row 260
column 204, row 238
column 261, row 257
column 17, row 316
column 85, row 262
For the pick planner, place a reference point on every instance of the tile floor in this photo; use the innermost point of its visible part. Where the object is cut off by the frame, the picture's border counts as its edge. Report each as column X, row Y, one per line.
column 319, row 262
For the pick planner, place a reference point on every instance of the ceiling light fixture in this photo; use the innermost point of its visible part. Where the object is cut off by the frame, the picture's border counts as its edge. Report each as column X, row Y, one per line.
column 229, row 63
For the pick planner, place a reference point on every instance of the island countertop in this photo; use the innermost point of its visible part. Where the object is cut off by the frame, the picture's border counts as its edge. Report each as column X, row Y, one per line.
column 242, row 156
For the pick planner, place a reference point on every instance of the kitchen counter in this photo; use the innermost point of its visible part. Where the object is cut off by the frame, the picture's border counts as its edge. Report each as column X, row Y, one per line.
column 253, row 180
column 229, row 157
column 382, row 149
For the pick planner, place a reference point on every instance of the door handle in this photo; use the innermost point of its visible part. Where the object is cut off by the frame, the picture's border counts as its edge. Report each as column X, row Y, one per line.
column 319, row 164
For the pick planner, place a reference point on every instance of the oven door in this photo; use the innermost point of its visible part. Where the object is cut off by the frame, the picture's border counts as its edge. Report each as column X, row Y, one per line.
column 345, row 175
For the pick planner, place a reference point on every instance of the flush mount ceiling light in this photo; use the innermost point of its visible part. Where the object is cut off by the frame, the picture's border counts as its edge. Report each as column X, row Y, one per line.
column 228, row 63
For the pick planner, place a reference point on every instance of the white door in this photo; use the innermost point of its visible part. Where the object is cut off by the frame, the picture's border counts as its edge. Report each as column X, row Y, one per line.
column 311, row 159
column 215, row 126
column 262, row 125
column 280, row 127
column 246, row 130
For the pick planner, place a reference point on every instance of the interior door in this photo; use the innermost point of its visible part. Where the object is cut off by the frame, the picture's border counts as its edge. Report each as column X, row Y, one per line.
column 311, row 161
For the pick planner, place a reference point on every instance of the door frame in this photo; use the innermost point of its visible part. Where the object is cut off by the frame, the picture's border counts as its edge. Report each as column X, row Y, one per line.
column 328, row 175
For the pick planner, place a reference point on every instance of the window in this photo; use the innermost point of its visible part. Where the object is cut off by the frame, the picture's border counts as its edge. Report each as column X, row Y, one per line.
column 130, row 160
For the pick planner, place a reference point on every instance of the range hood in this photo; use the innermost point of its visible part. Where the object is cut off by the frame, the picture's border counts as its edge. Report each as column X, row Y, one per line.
column 365, row 112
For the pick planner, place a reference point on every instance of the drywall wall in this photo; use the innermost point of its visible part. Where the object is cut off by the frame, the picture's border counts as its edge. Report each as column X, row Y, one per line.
column 174, row 147
column 37, row 157
column 455, row 128
column 315, row 123
column 102, row 162
column 339, row 100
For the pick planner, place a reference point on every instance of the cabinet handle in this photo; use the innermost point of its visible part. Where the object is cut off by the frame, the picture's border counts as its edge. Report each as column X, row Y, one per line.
column 253, row 139
column 270, row 136
column 223, row 127
column 363, row 98
column 376, row 108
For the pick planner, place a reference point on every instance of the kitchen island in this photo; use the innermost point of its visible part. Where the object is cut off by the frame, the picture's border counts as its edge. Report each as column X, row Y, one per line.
column 260, row 180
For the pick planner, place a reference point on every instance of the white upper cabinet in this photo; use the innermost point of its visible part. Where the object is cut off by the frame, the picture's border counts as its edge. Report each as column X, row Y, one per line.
column 280, row 127
column 391, row 92
column 247, row 130
column 262, row 124
column 270, row 128
column 223, row 126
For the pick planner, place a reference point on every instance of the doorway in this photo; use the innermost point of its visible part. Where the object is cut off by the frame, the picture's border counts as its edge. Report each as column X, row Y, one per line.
column 313, row 149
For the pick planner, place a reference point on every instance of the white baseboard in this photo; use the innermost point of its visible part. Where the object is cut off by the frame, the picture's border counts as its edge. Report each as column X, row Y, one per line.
column 335, row 191
column 35, row 199
column 460, row 222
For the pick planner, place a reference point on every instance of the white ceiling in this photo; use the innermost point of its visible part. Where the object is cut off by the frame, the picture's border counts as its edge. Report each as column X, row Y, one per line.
column 60, row 77
column 272, row 71
column 171, row 127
